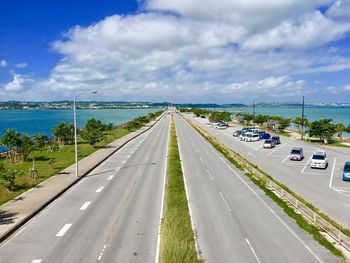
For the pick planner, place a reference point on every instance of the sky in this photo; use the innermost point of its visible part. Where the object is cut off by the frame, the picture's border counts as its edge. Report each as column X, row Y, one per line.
column 183, row 51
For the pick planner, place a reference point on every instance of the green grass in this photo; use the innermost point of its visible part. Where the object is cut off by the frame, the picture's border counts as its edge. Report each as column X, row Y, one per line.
column 284, row 133
column 177, row 237
column 50, row 163
column 303, row 223
column 332, row 142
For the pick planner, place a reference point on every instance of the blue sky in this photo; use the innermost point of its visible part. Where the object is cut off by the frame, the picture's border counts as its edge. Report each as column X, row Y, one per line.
column 226, row 51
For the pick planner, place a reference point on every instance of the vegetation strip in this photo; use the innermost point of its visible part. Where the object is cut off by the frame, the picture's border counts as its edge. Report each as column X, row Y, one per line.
column 177, row 238
column 300, row 220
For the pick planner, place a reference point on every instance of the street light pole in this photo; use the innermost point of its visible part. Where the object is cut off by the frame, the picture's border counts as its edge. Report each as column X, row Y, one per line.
column 75, row 130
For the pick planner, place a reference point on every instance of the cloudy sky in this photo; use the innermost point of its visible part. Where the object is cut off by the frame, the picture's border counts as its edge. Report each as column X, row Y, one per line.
column 223, row 51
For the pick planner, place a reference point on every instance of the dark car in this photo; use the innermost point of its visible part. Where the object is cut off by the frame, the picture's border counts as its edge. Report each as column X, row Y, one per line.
column 264, row 136
column 237, row 133
column 276, row 139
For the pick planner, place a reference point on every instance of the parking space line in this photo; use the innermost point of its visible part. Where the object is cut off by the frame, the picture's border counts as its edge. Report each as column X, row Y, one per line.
column 201, row 159
column 252, row 154
column 277, row 149
column 302, row 171
column 252, row 249
column 36, row 260
column 211, row 177
column 285, row 159
column 316, row 173
column 331, row 180
column 110, row 177
column 63, row 230
column 99, row 189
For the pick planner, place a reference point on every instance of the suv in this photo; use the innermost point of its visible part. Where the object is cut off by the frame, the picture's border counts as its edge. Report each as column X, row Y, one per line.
column 252, row 137
column 296, row 154
column 269, row 143
column 243, row 136
column 319, row 160
column 346, row 172
column 276, row 139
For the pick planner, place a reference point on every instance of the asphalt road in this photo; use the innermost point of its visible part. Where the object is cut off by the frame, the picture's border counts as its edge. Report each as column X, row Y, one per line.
column 112, row 215
column 234, row 220
column 323, row 188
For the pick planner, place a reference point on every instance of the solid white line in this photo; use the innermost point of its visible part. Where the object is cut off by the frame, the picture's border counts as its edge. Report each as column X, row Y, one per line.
column 19, row 231
column 285, row 159
column 163, row 194
column 223, row 198
column 110, row 177
column 302, row 171
column 330, row 182
column 36, row 260
column 99, row 189
column 252, row 249
column 63, row 230
column 85, row 205
column 211, row 177
column 269, row 208
column 277, row 149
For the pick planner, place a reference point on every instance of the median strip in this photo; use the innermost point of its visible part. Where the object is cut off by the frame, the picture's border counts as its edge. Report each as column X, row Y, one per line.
column 177, row 238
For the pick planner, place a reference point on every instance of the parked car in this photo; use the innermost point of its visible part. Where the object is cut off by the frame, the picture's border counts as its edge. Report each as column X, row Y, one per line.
column 269, row 143
column 236, row 133
column 346, row 172
column 264, row 136
column 243, row 136
column 276, row 139
column 248, row 128
column 319, row 160
column 252, row 137
column 296, row 154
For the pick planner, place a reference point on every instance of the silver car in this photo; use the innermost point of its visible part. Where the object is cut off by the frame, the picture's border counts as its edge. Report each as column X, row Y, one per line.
column 296, row 154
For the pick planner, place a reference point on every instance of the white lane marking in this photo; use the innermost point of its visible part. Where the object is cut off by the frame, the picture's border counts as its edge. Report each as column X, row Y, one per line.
column 252, row 249
column 110, row 177
column 128, row 156
column 163, row 197
column 321, row 174
column 63, row 230
column 252, row 154
column 331, row 180
column 285, row 159
column 211, row 177
column 223, row 198
column 101, row 254
column 275, row 150
column 124, row 162
column 269, row 208
column 201, row 159
column 302, row 171
column 85, row 205
column 36, row 260
column 99, row 189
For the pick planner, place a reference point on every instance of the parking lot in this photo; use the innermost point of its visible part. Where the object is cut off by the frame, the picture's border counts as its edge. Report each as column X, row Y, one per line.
column 322, row 187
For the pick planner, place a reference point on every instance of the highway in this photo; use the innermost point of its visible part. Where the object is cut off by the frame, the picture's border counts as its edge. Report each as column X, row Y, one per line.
column 323, row 188
column 111, row 215
column 234, row 220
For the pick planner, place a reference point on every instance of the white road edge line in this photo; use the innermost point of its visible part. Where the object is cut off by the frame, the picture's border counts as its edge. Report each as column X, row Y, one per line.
column 223, row 198
column 211, row 177
column 63, row 230
column 252, row 249
column 163, row 194
column 85, row 205
column 302, row 171
column 330, row 182
column 268, row 207
column 275, row 150
column 99, row 189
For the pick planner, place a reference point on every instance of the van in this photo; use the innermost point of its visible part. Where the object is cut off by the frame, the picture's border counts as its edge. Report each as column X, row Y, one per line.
column 319, row 160
column 296, row 154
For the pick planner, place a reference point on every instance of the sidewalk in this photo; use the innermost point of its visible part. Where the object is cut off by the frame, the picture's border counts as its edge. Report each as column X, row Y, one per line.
column 18, row 211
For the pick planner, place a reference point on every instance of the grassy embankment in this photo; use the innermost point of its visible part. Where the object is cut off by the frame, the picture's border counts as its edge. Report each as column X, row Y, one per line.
column 177, row 237
column 49, row 163
column 301, row 221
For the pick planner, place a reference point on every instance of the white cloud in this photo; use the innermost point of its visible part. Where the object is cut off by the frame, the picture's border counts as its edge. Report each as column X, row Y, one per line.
column 18, row 83
column 21, row 65
column 340, row 9
column 3, row 63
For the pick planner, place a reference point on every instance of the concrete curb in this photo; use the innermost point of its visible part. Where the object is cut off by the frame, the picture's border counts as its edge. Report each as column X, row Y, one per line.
column 7, row 234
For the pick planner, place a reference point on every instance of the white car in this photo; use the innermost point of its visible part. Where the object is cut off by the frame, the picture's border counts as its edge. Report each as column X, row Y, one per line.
column 319, row 160
column 252, row 137
column 244, row 136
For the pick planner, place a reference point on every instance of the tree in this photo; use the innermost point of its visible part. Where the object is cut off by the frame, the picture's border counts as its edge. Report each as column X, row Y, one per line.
column 11, row 139
column 283, row 123
column 63, row 132
column 298, row 121
column 340, row 128
column 260, row 119
column 25, row 147
column 40, row 141
column 93, row 131
column 220, row 116
column 9, row 177
column 322, row 128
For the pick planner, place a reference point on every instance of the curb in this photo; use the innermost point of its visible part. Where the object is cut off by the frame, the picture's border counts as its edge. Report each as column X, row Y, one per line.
column 48, row 202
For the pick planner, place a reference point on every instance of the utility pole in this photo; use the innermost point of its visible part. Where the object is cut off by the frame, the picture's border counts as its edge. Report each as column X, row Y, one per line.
column 302, row 119
column 254, row 109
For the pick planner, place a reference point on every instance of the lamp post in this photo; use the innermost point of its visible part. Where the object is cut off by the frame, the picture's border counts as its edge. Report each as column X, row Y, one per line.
column 75, row 130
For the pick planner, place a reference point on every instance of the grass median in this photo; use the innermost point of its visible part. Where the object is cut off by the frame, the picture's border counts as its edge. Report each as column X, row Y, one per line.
column 177, row 237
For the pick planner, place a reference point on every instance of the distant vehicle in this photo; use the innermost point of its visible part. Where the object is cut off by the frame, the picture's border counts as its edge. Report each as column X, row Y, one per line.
column 243, row 136
column 276, row 139
column 221, row 125
column 236, row 133
column 252, row 137
column 264, row 136
column 248, row 129
column 346, row 172
column 319, row 160
column 269, row 143
column 296, row 154
column 202, row 116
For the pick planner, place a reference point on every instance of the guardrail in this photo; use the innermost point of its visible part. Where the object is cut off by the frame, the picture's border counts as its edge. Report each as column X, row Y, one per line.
column 317, row 219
